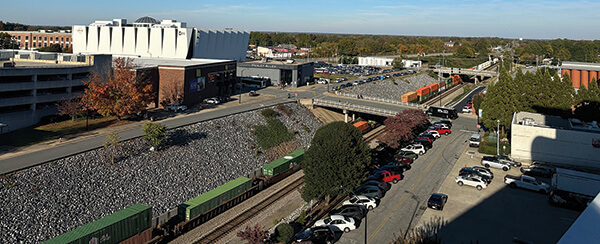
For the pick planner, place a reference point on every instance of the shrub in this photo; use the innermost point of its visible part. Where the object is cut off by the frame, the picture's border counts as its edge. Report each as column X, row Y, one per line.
column 285, row 232
column 302, row 217
column 154, row 134
column 269, row 113
column 272, row 134
column 284, row 109
column 254, row 235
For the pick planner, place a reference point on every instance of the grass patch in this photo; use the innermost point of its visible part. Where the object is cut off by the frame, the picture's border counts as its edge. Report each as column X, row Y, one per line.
column 36, row 134
column 487, row 147
column 467, row 88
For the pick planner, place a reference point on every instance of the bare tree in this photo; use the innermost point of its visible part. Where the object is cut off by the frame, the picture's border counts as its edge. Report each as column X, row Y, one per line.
column 71, row 106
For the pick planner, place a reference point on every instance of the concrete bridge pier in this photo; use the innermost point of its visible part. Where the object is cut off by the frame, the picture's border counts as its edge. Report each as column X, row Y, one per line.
column 345, row 116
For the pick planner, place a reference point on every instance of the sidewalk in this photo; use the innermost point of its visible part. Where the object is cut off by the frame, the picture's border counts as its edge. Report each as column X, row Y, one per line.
column 73, row 139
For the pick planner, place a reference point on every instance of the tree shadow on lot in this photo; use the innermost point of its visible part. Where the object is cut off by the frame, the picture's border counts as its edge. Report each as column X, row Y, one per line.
column 507, row 214
column 181, row 137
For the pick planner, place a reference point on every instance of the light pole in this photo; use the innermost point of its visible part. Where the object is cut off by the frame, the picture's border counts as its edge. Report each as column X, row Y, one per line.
column 498, row 139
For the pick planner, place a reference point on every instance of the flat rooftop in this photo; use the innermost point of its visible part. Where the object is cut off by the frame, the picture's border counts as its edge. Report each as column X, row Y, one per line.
column 275, row 62
column 555, row 122
column 25, row 64
column 580, row 66
column 145, row 62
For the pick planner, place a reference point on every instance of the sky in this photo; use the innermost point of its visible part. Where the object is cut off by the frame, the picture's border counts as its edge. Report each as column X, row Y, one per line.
column 528, row 19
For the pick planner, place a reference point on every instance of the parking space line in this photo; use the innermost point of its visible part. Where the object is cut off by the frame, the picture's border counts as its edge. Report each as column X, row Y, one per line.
column 387, row 218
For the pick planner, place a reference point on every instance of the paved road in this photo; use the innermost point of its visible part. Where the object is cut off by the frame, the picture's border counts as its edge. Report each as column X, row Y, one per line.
column 403, row 205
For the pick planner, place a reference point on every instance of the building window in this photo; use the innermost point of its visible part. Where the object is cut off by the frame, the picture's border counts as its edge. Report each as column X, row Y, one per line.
column 62, row 39
column 51, row 38
column 34, row 44
column 67, row 39
column 35, row 38
column 45, row 38
column 19, row 37
column 27, row 38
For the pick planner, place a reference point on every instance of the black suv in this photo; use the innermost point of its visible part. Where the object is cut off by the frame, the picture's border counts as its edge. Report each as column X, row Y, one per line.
column 321, row 234
column 356, row 212
column 538, row 170
column 424, row 142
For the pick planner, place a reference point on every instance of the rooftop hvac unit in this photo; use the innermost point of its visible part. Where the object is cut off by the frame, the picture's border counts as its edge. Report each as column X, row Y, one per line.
column 528, row 121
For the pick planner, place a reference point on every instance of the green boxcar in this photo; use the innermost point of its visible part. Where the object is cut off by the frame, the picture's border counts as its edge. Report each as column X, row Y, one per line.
column 113, row 228
column 448, row 82
column 212, row 199
column 283, row 163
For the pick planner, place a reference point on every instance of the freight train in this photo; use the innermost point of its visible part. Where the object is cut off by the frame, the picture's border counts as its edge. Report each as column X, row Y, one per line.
column 424, row 93
column 135, row 224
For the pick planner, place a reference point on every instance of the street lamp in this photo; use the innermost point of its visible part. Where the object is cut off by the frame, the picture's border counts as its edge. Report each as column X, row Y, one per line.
column 498, row 139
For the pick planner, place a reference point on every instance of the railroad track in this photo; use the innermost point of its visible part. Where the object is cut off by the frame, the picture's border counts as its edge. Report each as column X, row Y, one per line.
column 239, row 220
column 435, row 100
column 374, row 133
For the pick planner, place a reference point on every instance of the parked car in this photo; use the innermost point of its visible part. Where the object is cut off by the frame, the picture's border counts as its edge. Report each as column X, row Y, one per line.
column 252, row 94
column 428, row 135
column 408, row 154
column 469, row 104
column 319, row 234
column 382, row 185
column 491, row 161
column 434, row 133
column 401, row 160
column 467, row 110
column 437, row 201
column 440, row 129
column 471, row 180
column 538, row 170
column 212, row 100
column 400, row 168
column 445, row 122
column 424, row 138
column 415, row 148
column 526, row 182
column 337, row 223
column 483, row 171
column 470, row 171
column 474, row 140
column 369, row 191
column 423, row 141
column 386, row 176
column 365, row 201
column 356, row 212
column 507, row 160
column 176, row 107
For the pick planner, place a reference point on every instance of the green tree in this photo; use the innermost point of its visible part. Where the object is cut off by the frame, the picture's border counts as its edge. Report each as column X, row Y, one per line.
column 6, row 41
column 465, row 52
column 499, row 103
column 154, row 134
column 336, row 161
column 285, row 232
column 397, row 63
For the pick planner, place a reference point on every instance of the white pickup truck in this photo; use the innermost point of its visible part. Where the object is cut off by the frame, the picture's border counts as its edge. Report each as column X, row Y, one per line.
column 526, row 182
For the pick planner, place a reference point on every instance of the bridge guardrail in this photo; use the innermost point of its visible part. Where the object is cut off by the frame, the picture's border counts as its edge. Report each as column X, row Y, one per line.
column 385, row 100
column 354, row 107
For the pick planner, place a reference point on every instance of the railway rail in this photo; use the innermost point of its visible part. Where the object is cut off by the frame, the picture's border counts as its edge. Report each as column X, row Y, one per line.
column 435, row 100
column 239, row 220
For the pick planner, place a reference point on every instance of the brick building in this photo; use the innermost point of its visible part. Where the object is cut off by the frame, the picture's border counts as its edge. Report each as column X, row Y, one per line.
column 30, row 40
column 188, row 82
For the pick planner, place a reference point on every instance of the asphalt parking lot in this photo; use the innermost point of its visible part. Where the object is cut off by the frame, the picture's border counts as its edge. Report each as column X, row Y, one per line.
column 498, row 213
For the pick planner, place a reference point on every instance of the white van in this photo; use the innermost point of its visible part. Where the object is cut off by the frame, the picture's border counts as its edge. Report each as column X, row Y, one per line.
column 474, row 140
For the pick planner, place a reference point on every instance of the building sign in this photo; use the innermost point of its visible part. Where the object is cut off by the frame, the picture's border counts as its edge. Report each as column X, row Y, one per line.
column 198, row 72
column 263, row 66
column 197, row 84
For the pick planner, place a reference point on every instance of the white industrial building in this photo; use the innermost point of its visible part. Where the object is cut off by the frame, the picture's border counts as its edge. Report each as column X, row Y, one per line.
column 383, row 61
column 147, row 37
column 538, row 137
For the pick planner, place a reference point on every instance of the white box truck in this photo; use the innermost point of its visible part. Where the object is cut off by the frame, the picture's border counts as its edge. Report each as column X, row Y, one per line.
column 574, row 189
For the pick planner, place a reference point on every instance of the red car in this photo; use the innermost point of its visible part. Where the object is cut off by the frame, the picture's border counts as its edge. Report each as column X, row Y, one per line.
column 440, row 130
column 386, row 176
column 470, row 104
column 403, row 160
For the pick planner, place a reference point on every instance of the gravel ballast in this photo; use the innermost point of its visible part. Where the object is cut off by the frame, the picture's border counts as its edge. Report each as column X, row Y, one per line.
column 42, row 202
column 390, row 88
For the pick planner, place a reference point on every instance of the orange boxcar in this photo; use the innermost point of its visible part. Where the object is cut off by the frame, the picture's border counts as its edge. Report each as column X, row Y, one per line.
column 433, row 87
column 409, row 97
column 361, row 125
column 423, row 91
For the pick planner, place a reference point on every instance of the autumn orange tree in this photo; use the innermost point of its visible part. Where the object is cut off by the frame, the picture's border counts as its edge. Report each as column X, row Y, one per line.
column 118, row 93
